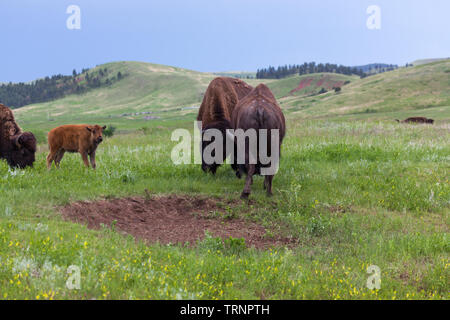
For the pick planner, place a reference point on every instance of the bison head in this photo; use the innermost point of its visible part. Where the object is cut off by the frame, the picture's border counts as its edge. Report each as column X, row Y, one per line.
column 22, row 150
column 97, row 133
column 222, row 126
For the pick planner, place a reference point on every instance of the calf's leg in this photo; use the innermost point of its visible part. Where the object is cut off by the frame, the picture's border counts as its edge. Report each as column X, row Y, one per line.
column 92, row 159
column 59, row 156
column 51, row 157
column 84, row 156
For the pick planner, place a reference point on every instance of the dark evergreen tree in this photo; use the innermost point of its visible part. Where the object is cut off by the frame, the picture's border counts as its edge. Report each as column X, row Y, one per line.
column 16, row 95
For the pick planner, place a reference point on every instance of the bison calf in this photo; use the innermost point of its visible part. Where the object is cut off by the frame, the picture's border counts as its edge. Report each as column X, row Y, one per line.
column 80, row 138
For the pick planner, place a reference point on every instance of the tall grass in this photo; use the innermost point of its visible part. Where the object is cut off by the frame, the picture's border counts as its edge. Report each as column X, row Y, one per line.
column 352, row 194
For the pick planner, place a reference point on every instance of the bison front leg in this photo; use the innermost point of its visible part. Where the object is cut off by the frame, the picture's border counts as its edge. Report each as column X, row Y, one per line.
column 84, row 156
column 92, row 159
column 248, row 181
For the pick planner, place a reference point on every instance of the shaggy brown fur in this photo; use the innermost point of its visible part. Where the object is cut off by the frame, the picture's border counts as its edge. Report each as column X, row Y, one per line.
column 17, row 147
column 258, row 110
column 221, row 97
column 416, row 120
column 80, row 138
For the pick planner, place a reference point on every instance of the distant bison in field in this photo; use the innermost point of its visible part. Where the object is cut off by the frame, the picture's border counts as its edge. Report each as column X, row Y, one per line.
column 80, row 138
column 16, row 147
column 220, row 98
column 259, row 111
column 416, row 120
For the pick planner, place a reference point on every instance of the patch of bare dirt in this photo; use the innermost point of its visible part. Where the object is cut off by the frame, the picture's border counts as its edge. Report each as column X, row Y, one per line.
column 169, row 219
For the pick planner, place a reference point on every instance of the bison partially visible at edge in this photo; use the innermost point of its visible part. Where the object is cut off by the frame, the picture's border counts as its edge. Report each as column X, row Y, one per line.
column 259, row 110
column 16, row 147
column 81, row 138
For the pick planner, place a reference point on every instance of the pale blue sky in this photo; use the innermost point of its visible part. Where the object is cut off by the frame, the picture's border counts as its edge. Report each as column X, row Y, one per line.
column 216, row 35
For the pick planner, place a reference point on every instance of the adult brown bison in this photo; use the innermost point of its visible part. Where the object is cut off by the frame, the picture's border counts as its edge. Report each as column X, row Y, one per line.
column 80, row 138
column 218, row 103
column 416, row 120
column 258, row 112
column 17, row 147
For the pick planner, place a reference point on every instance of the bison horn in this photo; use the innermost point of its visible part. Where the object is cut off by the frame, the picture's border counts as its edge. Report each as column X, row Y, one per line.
column 17, row 141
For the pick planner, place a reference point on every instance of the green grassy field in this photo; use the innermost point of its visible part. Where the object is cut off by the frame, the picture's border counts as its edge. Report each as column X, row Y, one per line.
column 354, row 189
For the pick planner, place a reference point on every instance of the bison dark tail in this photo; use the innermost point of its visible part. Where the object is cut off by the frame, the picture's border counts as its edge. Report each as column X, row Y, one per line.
column 260, row 117
column 397, row 120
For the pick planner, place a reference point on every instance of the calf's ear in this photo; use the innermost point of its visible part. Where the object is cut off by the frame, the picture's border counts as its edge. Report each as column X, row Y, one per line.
column 89, row 129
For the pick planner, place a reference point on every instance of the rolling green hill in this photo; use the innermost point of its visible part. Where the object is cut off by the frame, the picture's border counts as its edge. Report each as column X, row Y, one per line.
column 152, row 95
column 421, row 90
column 306, row 85
column 147, row 88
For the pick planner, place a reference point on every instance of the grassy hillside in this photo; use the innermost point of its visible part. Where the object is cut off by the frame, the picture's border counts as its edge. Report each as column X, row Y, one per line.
column 161, row 92
column 305, row 85
column 153, row 95
column 146, row 88
column 421, row 90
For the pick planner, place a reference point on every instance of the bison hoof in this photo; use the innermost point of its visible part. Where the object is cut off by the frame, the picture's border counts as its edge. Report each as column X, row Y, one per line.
column 244, row 195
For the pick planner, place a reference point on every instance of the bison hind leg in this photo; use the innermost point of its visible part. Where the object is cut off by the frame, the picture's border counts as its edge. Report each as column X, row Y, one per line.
column 236, row 170
column 268, row 185
column 50, row 158
column 59, row 157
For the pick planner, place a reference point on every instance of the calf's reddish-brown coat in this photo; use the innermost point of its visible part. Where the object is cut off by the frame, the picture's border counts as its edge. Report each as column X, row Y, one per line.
column 80, row 138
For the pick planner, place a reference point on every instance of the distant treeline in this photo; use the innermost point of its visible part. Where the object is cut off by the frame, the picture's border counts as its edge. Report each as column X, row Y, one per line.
column 312, row 67
column 16, row 95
